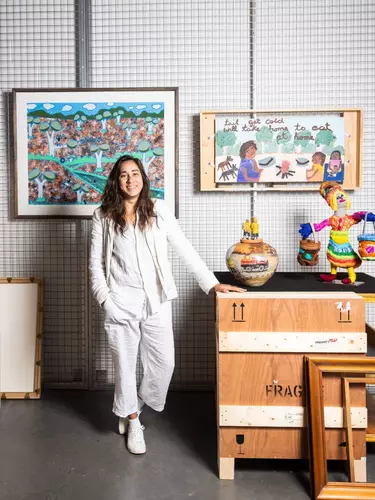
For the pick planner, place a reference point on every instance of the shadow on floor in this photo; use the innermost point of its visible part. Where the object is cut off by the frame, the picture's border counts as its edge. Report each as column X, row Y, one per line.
column 93, row 407
column 194, row 418
column 189, row 418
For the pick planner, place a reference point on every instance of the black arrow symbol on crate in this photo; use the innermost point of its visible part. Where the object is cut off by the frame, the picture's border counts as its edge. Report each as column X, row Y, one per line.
column 242, row 308
column 234, row 310
column 234, row 313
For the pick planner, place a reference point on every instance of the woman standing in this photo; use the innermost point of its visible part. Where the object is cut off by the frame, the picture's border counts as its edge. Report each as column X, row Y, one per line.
column 131, row 279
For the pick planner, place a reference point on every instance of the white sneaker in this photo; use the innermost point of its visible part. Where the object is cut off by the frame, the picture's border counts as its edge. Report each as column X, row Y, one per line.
column 136, row 441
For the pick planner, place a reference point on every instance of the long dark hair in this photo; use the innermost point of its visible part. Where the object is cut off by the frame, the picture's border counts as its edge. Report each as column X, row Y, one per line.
column 113, row 204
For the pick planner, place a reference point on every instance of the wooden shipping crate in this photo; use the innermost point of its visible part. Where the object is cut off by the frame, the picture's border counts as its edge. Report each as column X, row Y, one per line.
column 262, row 339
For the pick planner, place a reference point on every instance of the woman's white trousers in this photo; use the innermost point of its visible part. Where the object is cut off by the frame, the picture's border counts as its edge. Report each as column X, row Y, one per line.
column 153, row 336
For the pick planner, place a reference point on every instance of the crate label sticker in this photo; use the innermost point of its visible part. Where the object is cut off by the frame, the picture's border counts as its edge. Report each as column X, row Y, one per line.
column 295, row 417
column 324, row 343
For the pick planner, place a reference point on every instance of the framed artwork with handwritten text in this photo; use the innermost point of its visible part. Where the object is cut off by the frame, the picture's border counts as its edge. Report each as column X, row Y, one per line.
column 280, row 150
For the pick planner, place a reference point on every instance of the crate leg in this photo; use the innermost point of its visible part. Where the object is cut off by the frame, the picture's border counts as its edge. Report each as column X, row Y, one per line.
column 360, row 470
column 226, row 468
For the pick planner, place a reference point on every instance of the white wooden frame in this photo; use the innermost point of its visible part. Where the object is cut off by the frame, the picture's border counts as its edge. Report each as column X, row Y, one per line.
column 21, row 347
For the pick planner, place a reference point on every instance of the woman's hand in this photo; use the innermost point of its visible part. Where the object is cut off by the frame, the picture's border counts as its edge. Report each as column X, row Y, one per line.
column 227, row 288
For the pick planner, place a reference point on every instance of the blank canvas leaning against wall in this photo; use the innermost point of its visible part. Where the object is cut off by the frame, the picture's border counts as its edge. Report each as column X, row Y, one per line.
column 21, row 306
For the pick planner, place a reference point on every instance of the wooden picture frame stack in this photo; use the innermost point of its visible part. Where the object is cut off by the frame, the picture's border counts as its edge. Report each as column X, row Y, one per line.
column 316, row 367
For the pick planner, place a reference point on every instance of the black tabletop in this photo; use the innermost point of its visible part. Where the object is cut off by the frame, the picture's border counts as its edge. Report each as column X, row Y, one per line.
column 304, row 282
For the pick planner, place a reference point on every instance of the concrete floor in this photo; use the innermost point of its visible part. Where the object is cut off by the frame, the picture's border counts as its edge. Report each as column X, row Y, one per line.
column 66, row 447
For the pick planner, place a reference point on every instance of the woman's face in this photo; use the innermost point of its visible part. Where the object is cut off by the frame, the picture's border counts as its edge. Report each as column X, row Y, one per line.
column 250, row 152
column 131, row 182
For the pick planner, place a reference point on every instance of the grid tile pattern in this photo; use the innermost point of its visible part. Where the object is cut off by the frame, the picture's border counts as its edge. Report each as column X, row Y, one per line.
column 37, row 50
column 322, row 57
column 224, row 54
column 192, row 45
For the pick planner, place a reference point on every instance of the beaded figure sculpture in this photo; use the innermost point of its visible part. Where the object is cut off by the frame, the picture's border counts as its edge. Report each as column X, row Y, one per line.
column 339, row 252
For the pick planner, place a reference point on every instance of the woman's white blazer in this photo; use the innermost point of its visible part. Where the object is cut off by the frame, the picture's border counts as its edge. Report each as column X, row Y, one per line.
column 165, row 231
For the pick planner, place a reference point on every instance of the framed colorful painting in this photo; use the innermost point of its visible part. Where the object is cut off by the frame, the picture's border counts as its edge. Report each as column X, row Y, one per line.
column 280, row 150
column 67, row 140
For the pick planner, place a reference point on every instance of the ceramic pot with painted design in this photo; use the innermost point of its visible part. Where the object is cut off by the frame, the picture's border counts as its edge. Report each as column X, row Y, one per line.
column 252, row 261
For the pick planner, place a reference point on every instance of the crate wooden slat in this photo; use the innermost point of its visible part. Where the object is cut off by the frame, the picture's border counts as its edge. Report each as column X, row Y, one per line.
column 274, row 379
column 350, row 342
column 286, row 416
column 291, row 312
column 263, row 442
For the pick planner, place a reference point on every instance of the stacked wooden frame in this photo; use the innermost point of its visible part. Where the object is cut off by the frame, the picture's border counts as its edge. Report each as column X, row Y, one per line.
column 353, row 371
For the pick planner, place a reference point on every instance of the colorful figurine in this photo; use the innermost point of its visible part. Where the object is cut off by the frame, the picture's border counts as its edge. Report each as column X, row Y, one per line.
column 339, row 252
column 246, row 228
column 254, row 228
